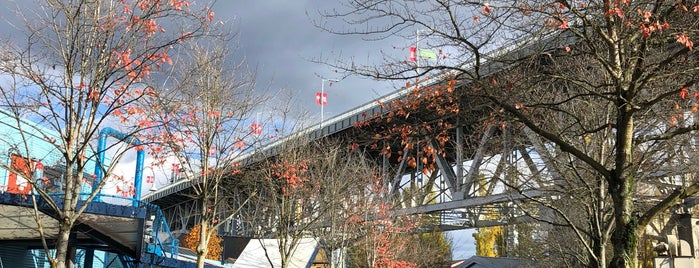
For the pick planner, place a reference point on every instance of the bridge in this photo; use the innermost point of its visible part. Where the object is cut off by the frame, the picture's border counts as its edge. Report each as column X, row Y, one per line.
column 452, row 191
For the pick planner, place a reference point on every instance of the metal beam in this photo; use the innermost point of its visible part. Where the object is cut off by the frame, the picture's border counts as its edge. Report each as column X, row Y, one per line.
column 444, row 167
column 472, row 174
column 480, row 224
column 399, row 173
column 469, row 202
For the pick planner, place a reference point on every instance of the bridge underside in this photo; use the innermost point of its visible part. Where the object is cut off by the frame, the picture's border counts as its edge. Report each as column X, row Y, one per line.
column 106, row 227
column 467, row 183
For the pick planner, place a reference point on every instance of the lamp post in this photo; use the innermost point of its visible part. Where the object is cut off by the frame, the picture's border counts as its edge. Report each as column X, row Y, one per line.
column 322, row 103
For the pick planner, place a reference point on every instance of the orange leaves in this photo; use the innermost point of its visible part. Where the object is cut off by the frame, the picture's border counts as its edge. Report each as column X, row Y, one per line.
column 151, row 27
column 684, row 93
column 239, row 144
column 294, row 175
column 680, row 109
column 131, row 110
column 235, row 172
column 178, row 4
column 162, row 58
column 385, row 237
column 646, row 15
column 127, row 10
column 646, row 25
column 145, row 4
column 486, row 9
column 124, row 188
column 412, row 162
column 191, row 241
column 122, row 57
column 404, row 122
column 210, row 15
column 648, row 28
column 682, row 38
column 564, row 24
column 144, row 123
column 615, row 11
column 386, row 151
column 214, row 114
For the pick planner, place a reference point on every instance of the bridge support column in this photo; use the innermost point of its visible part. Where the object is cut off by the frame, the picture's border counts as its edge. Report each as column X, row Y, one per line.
column 459, row 158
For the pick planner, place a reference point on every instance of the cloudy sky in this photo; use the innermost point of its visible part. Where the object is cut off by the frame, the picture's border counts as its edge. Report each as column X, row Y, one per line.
column 278, row 39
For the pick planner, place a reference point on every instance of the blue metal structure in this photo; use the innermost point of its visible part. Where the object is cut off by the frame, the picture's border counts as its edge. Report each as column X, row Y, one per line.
column 109, row 232
column 102, row 148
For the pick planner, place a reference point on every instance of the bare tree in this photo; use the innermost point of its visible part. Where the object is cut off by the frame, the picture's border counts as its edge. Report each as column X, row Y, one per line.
column 379, row 238
column 204, row 124
column 602, row 90
column 81, row 67
column 302, row 192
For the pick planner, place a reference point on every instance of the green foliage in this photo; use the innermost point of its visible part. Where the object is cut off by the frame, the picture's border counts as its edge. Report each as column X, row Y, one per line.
column 526, row 246
column 489, row 241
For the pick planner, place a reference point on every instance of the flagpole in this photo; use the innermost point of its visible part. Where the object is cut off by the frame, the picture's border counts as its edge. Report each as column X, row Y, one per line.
column 417, row 50
column 322, row 92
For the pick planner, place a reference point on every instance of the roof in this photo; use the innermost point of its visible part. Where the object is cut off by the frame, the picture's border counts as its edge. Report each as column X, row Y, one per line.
column 493, row 262
column 255, row 254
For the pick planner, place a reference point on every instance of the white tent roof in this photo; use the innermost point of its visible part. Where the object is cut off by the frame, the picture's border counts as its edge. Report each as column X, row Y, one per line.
column 253, row 255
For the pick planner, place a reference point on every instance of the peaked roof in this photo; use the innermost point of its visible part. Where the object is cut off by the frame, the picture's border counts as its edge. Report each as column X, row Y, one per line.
column 257, row 252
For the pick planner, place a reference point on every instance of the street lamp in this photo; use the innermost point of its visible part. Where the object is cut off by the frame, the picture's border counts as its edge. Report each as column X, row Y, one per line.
column 322, row 102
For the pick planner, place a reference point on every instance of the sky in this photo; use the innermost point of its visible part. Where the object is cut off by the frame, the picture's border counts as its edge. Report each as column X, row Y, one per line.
column 278, row 39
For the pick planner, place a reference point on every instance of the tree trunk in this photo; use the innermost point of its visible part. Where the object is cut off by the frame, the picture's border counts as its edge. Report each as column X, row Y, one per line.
column 624, row 238
column 62, row 241
column 203, row 247
column 621, row 185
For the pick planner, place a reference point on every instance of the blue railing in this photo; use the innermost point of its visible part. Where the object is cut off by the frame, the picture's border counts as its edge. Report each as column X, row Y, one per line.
column 168, row 244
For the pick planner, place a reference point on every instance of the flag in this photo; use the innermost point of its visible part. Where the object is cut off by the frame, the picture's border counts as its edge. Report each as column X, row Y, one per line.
column 413, row 54
column 428, row 54
column 256, row 128
column 322, row 98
